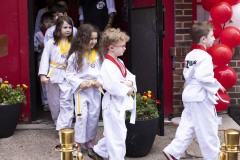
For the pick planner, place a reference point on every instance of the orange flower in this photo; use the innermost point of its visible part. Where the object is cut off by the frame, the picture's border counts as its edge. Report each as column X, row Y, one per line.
column 144, row 98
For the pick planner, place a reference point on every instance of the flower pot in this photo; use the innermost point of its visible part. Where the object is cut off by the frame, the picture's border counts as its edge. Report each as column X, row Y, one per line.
column 140, row 137
column 9, row 115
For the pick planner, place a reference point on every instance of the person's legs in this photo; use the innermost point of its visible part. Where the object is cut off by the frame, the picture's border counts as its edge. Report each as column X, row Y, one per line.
column 206, row 128
column 93, row 116
column 53, row 95
column 66, row 107
column 81, row 104
column 113, row 144
column 184, row 134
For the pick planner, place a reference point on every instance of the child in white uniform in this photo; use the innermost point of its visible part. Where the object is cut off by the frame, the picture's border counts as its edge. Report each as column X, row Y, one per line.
column 119, row 84
column 58, row 10
column 52, row 73
column 199, row 116
column 46, row 22
column 82, row 72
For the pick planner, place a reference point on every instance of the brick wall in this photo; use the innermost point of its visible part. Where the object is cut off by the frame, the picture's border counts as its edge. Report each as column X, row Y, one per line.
column 183, row 17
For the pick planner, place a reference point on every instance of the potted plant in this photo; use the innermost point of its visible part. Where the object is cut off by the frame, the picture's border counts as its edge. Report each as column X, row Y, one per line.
column 141, row 135
column 11, row 99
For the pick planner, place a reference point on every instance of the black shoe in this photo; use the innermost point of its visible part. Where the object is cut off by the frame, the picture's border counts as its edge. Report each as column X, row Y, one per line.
column 94, row 155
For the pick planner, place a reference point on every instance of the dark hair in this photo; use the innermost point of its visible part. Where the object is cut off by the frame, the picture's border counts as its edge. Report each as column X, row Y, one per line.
column 200, row 29
column 81, row 41
column 66, row 1
column 58, row 8
column 46, row 15
column 57, row 33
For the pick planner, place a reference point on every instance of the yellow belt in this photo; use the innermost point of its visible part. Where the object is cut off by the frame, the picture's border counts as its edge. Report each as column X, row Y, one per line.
column 55, row 65
column 78, row 98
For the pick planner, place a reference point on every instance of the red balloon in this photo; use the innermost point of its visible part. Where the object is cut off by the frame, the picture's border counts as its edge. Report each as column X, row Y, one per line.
column 208, row 5
column 217, row 29
column 230, row 36
column 221, row 12
column 223, row 103
column 221, row 54
column 225, row 75
column 231, row 2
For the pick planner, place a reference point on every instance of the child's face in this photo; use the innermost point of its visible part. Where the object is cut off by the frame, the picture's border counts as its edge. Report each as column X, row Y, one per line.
column 93, row 40
column 209, row 40
column 119, row 48
column 47, row 23
column 56, row 15
column 66, row 30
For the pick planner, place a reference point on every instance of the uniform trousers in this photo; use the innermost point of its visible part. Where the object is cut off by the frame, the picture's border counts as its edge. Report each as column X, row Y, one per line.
column 112, row 145
column 198, row 119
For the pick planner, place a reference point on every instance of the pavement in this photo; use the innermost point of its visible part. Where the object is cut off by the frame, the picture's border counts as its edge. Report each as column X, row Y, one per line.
column 37, row 142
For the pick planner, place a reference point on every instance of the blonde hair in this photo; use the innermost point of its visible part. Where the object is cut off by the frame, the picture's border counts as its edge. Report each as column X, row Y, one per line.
column 112, row 36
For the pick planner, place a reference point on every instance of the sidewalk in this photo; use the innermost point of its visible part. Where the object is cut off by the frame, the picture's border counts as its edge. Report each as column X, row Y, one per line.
column 37, row 142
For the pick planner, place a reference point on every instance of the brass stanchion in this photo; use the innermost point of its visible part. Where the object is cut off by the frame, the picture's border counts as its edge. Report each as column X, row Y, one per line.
column 230, row 148
column 67, row 145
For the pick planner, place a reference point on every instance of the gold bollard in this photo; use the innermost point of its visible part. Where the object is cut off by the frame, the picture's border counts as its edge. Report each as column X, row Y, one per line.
column 67, row 145
column 231, row 148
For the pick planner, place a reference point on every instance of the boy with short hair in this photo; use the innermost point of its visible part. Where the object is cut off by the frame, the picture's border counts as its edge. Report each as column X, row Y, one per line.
column 199, row 115
column 46, row 22
column 57, row 10
column 119, row 84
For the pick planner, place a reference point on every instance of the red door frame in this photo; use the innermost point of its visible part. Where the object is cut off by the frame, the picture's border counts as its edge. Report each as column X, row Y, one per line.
column 15, row 66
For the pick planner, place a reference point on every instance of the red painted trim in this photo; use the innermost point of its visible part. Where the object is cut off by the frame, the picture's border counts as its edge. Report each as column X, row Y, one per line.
column 168, row 42
column 194, row 10
column 24, row 53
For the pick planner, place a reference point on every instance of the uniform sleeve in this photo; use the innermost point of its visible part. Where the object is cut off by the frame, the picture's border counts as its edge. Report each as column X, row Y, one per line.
column 80, row 11
column 72, row 74
column 37, row 23
column 48, row 35
column 110, row 81
column 111, row 6
column 205, row 75
column 35, row 43
column 131, row 77
column 45, row 59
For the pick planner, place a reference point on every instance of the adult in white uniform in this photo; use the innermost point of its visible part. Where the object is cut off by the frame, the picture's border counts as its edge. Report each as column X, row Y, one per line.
column 82, row 73
column 199, row 116
column 119, row 84
column 52, row 73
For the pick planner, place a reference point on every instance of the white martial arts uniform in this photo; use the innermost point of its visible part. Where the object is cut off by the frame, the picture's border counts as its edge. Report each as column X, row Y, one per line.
column 59, row 93
column 112, row 145
column 199, row 116
column 87, row 101
column 39, row 38
column 49, row 33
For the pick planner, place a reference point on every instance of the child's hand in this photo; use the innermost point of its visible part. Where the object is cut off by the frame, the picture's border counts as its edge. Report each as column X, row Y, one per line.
column 44, row 79
column 222, row 88
column 130, row 91
column 127, row 83
column 96, row 84
column 85, row 85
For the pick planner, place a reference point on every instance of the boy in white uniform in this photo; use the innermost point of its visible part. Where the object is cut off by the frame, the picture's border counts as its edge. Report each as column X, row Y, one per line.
column 46, row 22
column 199, row 116
column 119, row 84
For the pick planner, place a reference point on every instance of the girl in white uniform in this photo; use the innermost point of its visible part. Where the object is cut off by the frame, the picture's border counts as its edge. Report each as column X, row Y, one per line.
column 119, row 84
column 52, row 73
column 82, row 72
column 199, row 116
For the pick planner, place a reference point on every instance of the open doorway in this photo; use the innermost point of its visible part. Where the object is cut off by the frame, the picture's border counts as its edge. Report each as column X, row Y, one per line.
column 38, row 115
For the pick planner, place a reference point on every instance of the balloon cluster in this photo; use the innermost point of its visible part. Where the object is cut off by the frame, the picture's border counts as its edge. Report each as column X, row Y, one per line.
column 225, row 15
